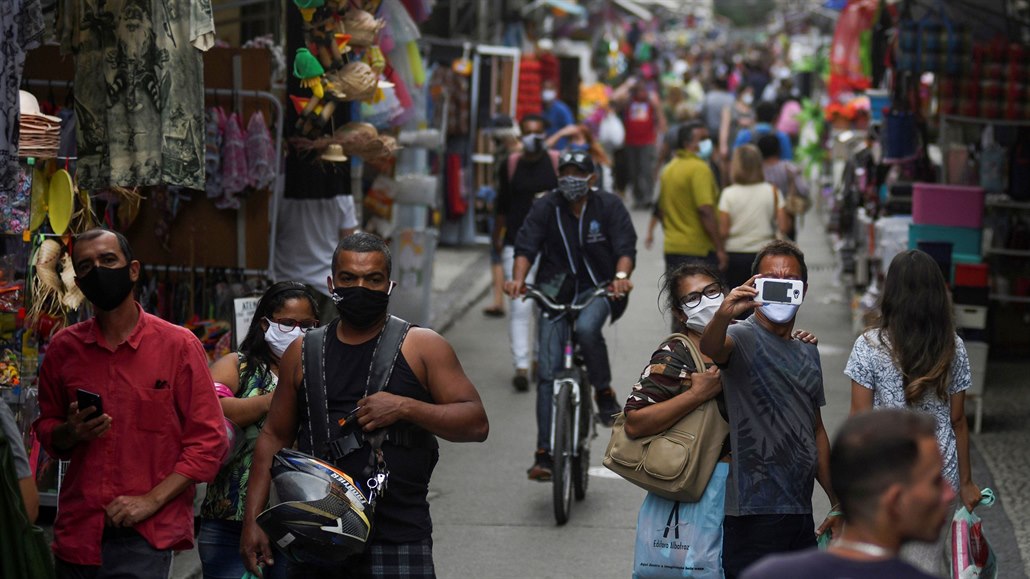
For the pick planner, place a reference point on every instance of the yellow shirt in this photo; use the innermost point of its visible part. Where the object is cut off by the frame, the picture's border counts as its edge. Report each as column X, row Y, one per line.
column 686, row 184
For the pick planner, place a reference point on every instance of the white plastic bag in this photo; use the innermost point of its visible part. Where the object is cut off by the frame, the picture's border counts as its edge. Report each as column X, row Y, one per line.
column 676, row 539
column 611, row 132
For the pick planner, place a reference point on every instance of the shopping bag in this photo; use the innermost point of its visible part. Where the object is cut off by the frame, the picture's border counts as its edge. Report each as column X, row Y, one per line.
column 678, row 539
column 611, row 133
column 970, row 554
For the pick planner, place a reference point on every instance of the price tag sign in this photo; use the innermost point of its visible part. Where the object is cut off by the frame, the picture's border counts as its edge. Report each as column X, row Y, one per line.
column 244, row 309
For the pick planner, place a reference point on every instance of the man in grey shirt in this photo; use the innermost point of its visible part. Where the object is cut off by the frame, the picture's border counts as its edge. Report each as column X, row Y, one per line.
column 773, row 385
column 22, row 471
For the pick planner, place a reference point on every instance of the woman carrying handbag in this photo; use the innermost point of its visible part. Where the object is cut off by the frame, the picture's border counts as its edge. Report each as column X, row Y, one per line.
column 682, row 539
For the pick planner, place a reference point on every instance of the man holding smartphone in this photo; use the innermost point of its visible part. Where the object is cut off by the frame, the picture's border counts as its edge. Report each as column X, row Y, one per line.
column 774, row 388
column 127, row 498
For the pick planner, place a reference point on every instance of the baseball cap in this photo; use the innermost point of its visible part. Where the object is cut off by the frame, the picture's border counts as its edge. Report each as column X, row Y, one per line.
column 579, row 159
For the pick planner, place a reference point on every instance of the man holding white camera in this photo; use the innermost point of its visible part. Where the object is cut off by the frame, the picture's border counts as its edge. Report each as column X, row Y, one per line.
column 773, row 385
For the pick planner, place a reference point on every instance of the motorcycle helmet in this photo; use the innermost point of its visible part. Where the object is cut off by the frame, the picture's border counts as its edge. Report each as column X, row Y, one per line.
column 318, row 514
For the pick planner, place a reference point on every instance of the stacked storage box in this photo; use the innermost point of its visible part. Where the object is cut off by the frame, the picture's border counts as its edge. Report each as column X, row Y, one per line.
column 943, row 214
column 947, row 222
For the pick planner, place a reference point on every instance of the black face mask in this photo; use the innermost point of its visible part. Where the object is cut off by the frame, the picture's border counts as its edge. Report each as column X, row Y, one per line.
column 360, row 307
column 106, row 287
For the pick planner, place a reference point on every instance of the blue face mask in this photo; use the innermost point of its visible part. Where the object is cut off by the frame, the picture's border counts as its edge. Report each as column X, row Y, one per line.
column 705, row 149
column 779, row 313
column 579, row 147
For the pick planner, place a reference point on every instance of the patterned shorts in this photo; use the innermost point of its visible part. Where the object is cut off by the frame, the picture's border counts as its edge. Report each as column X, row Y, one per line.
column 380, row 561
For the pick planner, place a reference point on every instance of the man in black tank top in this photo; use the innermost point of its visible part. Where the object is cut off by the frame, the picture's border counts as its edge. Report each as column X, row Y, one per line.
column 428, row 395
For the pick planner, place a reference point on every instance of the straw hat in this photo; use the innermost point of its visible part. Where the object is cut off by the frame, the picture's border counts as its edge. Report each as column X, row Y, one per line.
column 334, row 153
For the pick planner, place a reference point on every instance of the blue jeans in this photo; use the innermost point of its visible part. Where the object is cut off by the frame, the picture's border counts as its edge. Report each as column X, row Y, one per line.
column 551, row 339
column 219, row 548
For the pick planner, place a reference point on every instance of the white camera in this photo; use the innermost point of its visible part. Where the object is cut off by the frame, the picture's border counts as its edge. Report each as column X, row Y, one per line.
column 780, row 291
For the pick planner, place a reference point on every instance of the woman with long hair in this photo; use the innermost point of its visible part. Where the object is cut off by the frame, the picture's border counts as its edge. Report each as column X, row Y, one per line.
column 751, row 213
column 245, row 382
column 912, row 358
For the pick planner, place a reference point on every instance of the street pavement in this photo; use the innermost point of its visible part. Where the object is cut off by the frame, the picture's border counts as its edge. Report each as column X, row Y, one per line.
column 491, row 522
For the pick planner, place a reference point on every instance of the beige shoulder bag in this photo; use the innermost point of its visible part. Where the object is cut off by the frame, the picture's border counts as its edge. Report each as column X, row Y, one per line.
column 675, row 464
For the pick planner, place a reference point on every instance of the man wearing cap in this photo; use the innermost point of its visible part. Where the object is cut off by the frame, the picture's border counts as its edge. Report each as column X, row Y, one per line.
column 584, row 238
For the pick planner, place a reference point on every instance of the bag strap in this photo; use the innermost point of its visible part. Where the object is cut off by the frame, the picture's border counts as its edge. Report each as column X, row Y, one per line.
column 384, row 359
column 513, row 162
column 312, row 355
column 695, row 354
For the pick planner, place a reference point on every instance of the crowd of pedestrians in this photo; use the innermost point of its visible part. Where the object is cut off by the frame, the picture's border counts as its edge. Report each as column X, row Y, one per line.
column 304, row 374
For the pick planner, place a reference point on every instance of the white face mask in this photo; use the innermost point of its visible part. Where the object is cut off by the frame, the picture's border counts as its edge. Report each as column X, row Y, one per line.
column 700, row 315
column 779, row 313
column 549, row 95
column 533, row 143
column 279, row 340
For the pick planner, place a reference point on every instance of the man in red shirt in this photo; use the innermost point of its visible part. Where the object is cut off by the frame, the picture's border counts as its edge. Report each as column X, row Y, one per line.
column 127, row 498
column 644, row 121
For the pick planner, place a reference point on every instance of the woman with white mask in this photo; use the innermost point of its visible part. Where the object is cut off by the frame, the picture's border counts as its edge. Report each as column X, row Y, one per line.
column 245, row 382
column 671, row 385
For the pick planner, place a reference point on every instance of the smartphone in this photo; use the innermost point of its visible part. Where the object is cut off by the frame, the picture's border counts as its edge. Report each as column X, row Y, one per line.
column 87, row 399
column 780, row 291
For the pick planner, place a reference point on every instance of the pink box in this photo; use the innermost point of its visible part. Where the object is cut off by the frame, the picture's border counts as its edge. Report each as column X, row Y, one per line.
column 947, row 205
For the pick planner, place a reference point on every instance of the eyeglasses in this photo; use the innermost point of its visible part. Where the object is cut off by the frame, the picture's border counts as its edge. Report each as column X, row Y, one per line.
column 287, row 324
column 693, row 299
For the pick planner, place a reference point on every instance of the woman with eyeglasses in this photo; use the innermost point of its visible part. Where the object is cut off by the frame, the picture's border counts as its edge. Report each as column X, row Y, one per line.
column 671, row 385
column 245, row 382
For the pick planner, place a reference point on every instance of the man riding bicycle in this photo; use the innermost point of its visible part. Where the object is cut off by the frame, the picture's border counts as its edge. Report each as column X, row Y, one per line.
column 585, row 238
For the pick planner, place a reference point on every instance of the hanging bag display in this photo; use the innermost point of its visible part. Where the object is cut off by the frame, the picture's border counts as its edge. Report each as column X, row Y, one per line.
column 675, row 464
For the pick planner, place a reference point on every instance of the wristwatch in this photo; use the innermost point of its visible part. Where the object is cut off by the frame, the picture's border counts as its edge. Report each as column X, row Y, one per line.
column 620, row 275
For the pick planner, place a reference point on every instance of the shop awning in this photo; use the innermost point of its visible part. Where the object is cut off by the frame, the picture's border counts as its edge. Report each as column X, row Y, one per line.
column 563, row 5
column 635, row 9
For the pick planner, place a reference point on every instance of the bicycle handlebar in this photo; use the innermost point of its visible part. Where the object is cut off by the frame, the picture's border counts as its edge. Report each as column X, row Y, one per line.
column 538, row 296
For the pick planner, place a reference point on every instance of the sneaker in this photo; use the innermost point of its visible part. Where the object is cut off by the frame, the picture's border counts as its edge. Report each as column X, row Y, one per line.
column 521, row 380
column 607, row 407
column 542, row 465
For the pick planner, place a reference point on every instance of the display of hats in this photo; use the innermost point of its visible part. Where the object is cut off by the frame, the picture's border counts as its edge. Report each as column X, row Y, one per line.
column 40, row 135
column 362, row 27
column 356, row 81
column 61, row 201
column 334, row 153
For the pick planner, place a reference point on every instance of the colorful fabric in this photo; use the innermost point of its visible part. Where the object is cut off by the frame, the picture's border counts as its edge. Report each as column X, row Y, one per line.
column 139, row 89
column 227, row 495
column 261, row 155
column 234, row 163
column 21, row 29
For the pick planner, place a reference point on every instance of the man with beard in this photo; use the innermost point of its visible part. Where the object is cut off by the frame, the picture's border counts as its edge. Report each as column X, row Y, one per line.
column 428, row 395
column 127, row 498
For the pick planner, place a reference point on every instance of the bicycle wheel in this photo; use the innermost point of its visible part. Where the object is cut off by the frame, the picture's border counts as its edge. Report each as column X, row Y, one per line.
column 581, row 463
column 562, row 453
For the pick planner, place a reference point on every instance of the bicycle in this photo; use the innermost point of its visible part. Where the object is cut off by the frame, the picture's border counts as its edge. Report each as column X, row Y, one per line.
column 572, row 420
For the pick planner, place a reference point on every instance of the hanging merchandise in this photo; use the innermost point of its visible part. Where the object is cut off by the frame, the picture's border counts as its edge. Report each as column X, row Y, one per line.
column 993, row 163
column 213, row 151
column 934, row 43
column 362, row 27
column 139, row 93
column 60, row 201
column 38, row 205
column 21, row 29
column 234, row 163
column 15, row 206
column 262, row 162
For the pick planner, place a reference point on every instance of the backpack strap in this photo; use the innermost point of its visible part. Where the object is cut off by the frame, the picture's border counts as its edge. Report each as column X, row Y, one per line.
column 314, row 405
column 555, row 156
